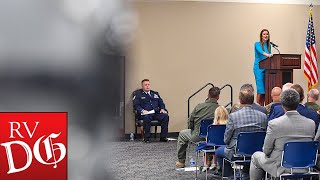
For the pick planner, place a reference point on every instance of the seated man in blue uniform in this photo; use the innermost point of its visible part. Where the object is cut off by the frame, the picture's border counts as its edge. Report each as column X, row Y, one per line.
column 149, row 106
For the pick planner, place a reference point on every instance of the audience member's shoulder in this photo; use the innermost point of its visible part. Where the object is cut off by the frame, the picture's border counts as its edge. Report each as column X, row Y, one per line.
column 202, row 104
column 155, row 92
column 307, row 119
column 269, row 105
column 278, row 121
column 310, row 110
column 277, row 107
column 244, row 109
column 137, row 92
column 259, row 108
column 260, row 113
column 277, row 104
column 306, row 111
column 235, row 107
column 236, row 112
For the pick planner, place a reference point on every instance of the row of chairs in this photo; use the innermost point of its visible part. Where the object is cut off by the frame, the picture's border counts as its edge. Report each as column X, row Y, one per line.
column 215, row 136
column 296, row 155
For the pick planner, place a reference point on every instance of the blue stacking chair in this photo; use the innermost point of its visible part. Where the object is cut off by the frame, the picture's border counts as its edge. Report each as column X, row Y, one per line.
column 203, row 130
column 247, row 144
column 205, row 123
column 299, row 155
column 215, row 136
column 215, row 139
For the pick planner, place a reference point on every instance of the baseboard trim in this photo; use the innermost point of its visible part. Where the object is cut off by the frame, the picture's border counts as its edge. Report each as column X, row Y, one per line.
column 138, row 136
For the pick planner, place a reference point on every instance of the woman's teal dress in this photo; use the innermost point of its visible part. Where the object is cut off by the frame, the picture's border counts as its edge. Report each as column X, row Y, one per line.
column 259, row 73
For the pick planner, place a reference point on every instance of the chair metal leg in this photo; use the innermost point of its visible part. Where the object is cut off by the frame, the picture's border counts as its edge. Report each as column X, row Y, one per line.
column 266, row 176
column 188, row 152
column 155, row 132
column 234, row 171
column 205, row 159
column 136, row 130
column 196, row 164
column 207, row 173
column 222, row 168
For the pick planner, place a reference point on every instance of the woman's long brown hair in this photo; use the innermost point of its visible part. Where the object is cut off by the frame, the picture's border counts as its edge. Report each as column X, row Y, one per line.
column 268, row 41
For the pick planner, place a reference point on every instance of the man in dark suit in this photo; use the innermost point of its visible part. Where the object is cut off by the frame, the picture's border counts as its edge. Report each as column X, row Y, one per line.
column 278, row 111
column 254, row 105
column 149, row 105
column 246, row 119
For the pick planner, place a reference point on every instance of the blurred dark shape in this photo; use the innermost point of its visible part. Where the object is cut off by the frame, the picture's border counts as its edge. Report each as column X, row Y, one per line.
column 68, row 56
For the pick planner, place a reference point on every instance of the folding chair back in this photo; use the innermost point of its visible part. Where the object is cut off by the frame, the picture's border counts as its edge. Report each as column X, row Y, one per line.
column 215, row 135
column 249, row 142
column 300, row 154
column 204, row 127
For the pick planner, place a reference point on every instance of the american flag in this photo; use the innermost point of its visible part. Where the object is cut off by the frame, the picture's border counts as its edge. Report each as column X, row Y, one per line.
column 310, row 60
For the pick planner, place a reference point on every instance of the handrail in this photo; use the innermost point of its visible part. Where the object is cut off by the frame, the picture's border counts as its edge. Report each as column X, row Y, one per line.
column 231, row 99
column 231, row 95
column 195, row 94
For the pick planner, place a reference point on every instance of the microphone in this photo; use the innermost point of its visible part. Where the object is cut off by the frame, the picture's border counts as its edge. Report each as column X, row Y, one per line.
column 274, row 45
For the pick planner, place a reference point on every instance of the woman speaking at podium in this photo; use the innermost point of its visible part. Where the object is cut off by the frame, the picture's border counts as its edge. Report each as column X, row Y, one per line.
column 262, row 50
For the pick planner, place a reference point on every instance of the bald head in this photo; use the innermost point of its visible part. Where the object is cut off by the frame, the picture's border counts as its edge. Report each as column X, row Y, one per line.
column 313, row 95
column 286, row 86
column 276, row 91
column 275, row 94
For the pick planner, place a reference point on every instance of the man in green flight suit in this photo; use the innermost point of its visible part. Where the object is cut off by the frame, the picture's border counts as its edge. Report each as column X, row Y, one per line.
column 201, row 111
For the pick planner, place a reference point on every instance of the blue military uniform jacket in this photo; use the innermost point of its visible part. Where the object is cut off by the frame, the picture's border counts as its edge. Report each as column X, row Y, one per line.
column 144, row 101
column 277, row 111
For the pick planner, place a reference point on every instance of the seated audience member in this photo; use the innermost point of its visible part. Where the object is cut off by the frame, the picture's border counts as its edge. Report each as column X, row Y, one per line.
column 289, row 127
column 220, row 117
column 312, row 97
column 275, row 95
column 246, row 119
column 308, row 113
column 146, row 100
column 200, row 112
column 255, row 106
column 272, row 113
column 286, row 86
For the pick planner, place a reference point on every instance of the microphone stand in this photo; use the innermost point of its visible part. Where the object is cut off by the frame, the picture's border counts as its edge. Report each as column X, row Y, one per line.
column 276, row 49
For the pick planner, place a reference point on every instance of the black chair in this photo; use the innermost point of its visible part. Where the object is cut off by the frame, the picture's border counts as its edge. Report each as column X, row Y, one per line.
column 139, row 122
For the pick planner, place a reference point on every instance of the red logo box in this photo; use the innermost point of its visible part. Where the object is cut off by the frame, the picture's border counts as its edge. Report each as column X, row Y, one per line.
column 33, row 146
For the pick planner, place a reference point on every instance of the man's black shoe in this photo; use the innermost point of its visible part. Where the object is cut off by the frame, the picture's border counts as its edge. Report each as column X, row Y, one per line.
column 147, row 140
column 163, row 140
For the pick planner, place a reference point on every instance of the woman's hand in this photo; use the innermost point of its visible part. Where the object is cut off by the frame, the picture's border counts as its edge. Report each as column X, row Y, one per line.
column 269, row 55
